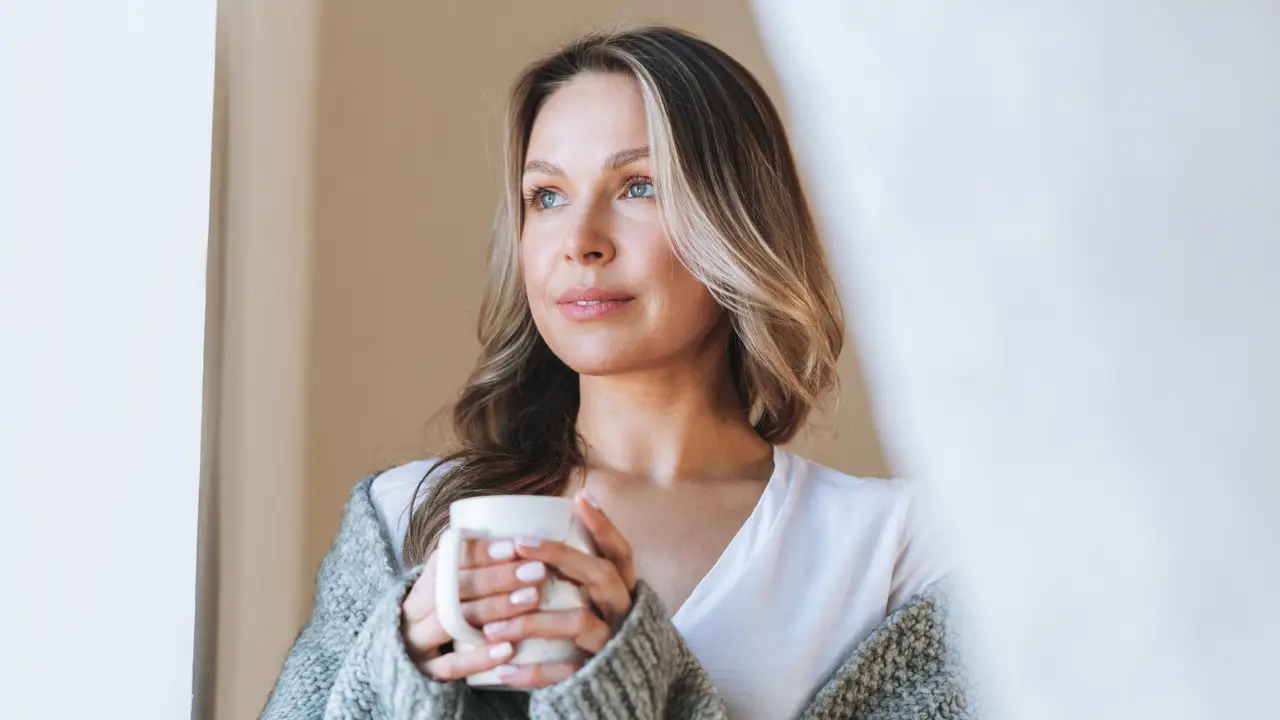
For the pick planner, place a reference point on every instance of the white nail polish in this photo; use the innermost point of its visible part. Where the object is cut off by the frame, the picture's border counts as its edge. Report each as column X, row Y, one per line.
column 505, row 670
column 498, row 652
column 531, row 571
column 529, row 541
column 494, row 628
column 590, row 500
column 524, row 596
column 502, row 550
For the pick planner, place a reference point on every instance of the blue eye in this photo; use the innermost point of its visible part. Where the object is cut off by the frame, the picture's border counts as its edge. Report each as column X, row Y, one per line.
column 640, row 190
column 548, row 199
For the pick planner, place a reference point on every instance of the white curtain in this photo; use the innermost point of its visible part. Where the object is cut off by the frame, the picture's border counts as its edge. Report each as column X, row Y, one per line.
column 106, row 123
column 1058, row 227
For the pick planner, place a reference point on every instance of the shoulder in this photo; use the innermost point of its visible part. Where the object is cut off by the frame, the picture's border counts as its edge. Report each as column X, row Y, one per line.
column 394, row 492
column 396, row 487
column 888, row 519
column 838, row 493
column 360, row 562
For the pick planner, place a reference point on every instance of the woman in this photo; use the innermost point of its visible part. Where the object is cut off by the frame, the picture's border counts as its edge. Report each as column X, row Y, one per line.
column 660, row 317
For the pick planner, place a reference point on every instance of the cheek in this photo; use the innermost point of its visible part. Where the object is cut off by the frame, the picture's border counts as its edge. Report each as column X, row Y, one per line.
column 534, row 266
column 687, row 305
column 700, row 309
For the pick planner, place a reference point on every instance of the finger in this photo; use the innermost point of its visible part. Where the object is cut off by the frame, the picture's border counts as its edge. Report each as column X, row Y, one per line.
column 579, row 625
column 597, row 575
column 609, row 540
column 500, row 607
column 421, row 600
column 535, row 676
column 458, row 665
column 490, row 551
column 423, row 638
column 482, row 582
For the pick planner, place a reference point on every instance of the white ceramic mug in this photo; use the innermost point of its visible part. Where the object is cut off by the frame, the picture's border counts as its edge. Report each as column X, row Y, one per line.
column 510, row 517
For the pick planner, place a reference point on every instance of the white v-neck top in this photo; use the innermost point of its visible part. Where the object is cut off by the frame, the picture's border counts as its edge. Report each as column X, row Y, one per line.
column 821, row 561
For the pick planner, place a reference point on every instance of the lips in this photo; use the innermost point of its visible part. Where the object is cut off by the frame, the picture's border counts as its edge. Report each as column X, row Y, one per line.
column 591, row 303
column 592, row 295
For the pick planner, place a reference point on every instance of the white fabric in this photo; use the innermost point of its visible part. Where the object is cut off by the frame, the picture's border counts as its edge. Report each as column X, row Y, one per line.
column 820, row 561
column 1058, row 228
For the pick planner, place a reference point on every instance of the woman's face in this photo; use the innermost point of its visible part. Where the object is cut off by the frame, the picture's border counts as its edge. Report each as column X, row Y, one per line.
column 606, row 291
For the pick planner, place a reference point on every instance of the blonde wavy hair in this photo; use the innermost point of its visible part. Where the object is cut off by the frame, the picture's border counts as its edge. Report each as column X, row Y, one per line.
column 734, row 208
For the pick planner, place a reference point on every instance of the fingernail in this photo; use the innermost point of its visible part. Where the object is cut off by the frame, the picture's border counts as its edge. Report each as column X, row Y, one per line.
column 529, row 541
column 502, row 550
column 590, row 500
column 524, row 596
column 531, row 571
column 505, row 670
column 498, row 652
column 494, row 628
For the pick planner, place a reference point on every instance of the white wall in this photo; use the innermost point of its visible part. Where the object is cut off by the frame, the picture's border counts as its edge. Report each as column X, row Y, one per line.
column 105, row 129
column 1059, row 225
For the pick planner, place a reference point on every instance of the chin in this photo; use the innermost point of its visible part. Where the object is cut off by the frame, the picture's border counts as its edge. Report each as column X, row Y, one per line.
column 600, row 350
column 600, row 355
column 599, row 364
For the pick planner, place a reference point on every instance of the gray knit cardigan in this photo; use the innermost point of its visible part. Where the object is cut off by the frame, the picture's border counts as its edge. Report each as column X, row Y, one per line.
column 350, row 661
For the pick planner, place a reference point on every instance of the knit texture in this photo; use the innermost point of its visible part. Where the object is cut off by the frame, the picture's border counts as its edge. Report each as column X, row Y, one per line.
column 350, row 662
column 908, row 667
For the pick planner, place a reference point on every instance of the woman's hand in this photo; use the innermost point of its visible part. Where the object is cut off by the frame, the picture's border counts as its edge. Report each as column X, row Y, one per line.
column 494, row 585
column 610, row 581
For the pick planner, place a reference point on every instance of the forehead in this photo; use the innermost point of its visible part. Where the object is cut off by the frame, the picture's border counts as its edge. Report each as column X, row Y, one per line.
column 591, row 117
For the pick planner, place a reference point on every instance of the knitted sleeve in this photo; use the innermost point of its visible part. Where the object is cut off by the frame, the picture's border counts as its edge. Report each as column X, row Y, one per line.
column 350, row 660
column 909, row 668
column 646, row 672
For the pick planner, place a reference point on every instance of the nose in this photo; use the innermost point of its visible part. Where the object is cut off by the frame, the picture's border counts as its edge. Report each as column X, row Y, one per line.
column 589, row 241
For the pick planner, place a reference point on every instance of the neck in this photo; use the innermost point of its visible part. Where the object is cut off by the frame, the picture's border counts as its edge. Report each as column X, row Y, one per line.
column 668, row 426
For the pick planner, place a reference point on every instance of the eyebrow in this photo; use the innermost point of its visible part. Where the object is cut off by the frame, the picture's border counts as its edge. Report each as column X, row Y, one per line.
column 545, row 167
column 623, row 158
column 616, row 161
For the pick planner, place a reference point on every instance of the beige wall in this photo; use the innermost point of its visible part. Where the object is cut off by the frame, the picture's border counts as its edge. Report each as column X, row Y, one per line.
column 362, row 176
column 266, row 79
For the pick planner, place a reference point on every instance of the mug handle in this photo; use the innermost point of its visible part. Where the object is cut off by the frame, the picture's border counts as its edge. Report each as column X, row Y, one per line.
column 448, row 606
